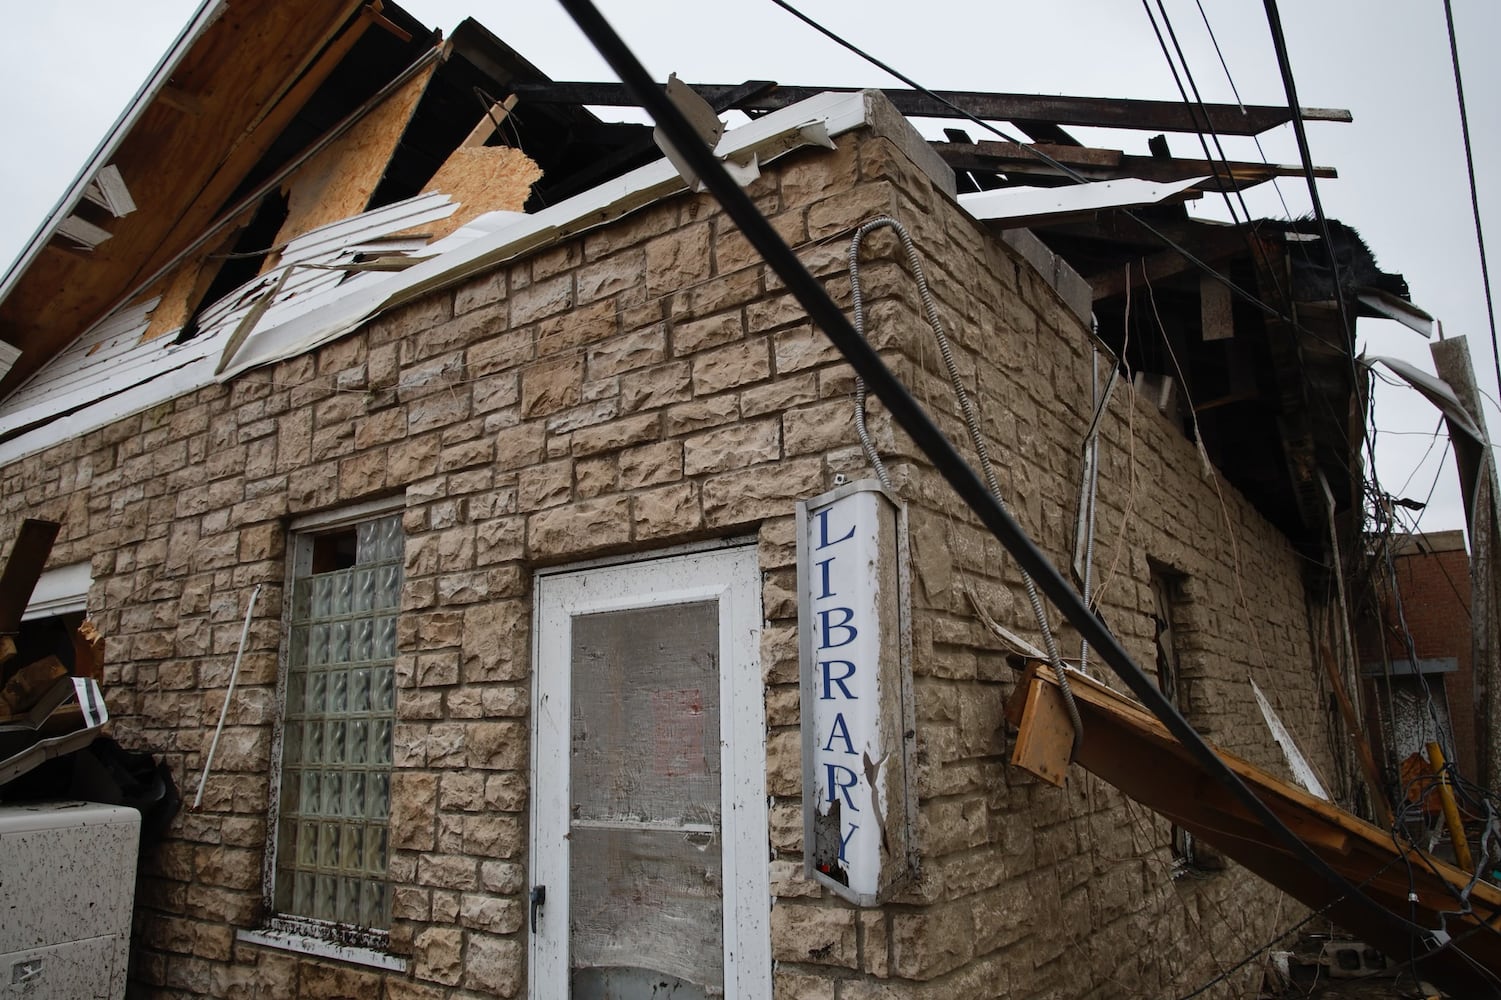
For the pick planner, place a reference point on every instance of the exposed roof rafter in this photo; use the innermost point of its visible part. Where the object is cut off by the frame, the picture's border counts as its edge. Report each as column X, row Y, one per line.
column 1099, row 112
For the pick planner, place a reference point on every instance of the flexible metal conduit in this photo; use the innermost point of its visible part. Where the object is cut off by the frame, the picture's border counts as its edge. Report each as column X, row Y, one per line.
column 971, row 421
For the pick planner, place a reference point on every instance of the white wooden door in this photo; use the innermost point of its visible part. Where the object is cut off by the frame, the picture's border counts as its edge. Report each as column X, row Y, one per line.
column 649, row 843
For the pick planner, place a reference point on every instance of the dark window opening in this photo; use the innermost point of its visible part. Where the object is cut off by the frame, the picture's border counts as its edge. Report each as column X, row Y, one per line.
column 334, row 551
column 245, row 259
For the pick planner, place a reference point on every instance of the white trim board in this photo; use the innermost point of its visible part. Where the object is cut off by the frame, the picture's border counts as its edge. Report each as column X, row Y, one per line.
column 729, row 577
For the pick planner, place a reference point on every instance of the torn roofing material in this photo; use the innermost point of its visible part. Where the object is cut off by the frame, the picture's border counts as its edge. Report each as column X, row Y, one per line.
column 328, row 297
column 310, row 156
column 252, row 90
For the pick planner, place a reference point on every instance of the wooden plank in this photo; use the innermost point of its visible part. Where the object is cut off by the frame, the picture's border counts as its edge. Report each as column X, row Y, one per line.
column 486, row 126
column 23, row 568
column 337, row 183
column 1107, row 164
column 1216, row 321
column 1210, row 247
column 82, row 232
column 1355, row 733
column 238, row 66
column 1126, row 746
column 1101, row 112
column 1211, row 796
column 1046, row 735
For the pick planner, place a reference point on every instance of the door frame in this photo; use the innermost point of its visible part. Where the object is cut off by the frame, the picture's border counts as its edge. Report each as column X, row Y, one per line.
column 730, row 574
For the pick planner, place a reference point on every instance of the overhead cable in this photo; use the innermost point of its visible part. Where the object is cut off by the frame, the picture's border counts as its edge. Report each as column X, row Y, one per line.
column 1464, row 127
column 822, row 310
column 1061, row 167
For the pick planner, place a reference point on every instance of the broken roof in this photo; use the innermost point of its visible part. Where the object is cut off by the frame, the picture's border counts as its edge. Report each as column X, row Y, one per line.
column 274, row 166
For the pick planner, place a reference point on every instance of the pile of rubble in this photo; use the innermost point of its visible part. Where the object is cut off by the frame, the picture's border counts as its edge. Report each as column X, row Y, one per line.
column 50, row 701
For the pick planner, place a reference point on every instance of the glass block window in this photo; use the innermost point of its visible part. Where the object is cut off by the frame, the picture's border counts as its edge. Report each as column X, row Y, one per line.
column 332, row 843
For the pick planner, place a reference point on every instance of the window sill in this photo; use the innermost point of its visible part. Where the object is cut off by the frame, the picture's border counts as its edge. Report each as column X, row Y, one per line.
column 322, row 948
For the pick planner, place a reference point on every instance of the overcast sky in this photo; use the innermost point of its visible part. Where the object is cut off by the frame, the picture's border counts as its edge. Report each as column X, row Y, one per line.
column 71, row 67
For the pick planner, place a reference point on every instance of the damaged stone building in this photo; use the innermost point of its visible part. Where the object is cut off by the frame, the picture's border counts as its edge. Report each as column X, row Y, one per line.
column 442, row 422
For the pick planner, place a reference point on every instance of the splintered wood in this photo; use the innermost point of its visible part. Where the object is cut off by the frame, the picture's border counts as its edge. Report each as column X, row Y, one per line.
column 1046, row 736
column 482, row 179
column 338, row 182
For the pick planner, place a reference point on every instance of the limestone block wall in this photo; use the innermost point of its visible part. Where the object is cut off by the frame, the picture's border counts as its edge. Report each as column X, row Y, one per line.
column 645, row 385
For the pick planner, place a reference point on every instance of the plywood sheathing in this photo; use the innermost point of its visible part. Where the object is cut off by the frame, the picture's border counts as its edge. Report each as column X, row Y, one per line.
column 482, row 179
column 183, row 288
column 338, row 182
column 179, row 166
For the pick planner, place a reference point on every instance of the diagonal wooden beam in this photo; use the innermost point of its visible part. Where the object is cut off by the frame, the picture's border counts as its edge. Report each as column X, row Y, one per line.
column 1107, row 164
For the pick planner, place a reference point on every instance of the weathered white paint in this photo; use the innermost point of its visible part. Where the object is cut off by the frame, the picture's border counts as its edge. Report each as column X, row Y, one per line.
column 731, row 578
column 855, row 706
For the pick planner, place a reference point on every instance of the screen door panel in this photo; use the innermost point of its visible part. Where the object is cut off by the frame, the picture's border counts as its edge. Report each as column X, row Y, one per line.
column 645, row 873
column 649, row 828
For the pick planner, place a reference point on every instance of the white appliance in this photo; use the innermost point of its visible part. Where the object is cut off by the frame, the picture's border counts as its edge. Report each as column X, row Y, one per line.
column 67, row 887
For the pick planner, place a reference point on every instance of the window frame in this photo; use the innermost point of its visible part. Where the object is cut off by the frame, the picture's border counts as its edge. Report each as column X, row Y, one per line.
column 290, row 931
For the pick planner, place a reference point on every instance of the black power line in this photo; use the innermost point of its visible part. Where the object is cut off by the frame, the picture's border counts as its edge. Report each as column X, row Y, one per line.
column 812, row 296
column 1464, row 126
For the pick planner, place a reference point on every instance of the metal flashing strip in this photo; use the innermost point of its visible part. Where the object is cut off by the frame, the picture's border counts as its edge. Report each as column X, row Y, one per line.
column 1018, row 207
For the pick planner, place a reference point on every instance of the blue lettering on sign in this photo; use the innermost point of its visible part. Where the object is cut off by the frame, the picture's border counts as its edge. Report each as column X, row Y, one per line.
column 823, row 530
column 827, row 626
column 840, row 731
column 830, row 681
column 834, row 614
column 838, row 788
column 844, row 841
column 823, row 570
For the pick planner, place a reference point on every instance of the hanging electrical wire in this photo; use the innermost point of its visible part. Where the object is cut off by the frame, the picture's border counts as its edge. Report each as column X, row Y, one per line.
column 1464, row 125
column 1230, row 79
column 971, row 422
column 1063, row 168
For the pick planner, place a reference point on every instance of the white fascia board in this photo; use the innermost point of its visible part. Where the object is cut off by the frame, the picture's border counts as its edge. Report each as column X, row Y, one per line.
column 208, row 12
column 195, row 374
column 1018, row 207
column 811, row 122
column 59, row 591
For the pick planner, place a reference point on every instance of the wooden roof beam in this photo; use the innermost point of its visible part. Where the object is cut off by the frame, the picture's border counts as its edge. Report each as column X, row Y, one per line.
column 258, row 137
column 1098, row 112
column 1215, row 246
column 1108, row 164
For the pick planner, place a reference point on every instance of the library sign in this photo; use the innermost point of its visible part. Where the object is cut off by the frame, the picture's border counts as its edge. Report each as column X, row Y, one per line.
column 855, row 644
